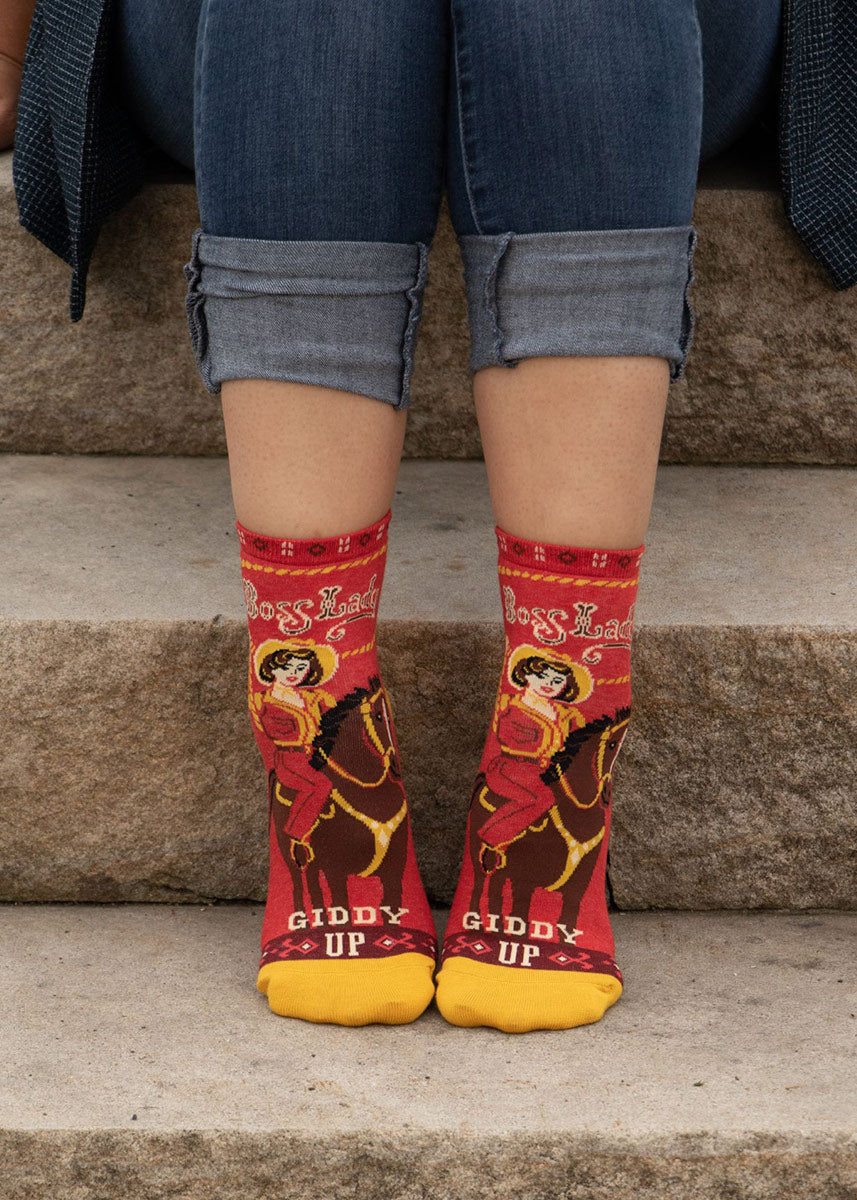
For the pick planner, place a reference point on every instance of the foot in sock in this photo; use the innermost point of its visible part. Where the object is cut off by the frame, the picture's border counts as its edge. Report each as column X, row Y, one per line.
column 347, row 935
column 528, row 944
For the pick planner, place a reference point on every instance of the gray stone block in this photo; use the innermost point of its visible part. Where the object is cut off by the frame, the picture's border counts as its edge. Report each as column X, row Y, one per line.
column 772, row 375
column 130, row 772
column 141, row 1062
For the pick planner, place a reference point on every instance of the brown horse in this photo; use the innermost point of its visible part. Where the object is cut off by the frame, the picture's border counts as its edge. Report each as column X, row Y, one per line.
column 558, row 852
column 355, row 748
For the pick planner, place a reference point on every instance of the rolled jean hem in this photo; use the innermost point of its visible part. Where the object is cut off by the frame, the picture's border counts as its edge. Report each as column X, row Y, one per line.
column 336, row 314
column 589, row 292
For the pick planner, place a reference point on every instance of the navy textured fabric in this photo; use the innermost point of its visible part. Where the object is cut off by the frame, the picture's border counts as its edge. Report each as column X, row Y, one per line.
column 818, row 131
column 77, row 157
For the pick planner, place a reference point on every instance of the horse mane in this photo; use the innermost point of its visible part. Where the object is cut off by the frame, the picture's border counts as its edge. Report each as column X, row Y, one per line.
column 331, row 721
column 577, row 737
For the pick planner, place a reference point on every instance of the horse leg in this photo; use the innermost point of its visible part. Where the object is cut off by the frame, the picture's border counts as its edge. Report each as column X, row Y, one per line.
column 328, row 844
column 337, row 880
column 392, row 869
column 313, row 879
column 278, row 839
column 519, row 857
column 474, row 845
column 278, row 812
column 272, row 783
column 572, row 892
column 494, row 896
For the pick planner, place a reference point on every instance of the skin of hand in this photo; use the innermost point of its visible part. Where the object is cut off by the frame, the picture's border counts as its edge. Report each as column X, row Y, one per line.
column 15, row 19
column 10, row 86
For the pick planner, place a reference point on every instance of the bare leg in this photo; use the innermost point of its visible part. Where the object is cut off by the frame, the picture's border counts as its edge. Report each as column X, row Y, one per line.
column 571, row 446
column 309, row 461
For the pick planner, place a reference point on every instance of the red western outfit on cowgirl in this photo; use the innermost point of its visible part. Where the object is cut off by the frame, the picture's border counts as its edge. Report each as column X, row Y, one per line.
column 528, row 740
column 292, row 730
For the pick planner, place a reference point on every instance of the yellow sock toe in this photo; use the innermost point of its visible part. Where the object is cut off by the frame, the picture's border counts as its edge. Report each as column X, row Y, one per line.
column 517, row 999
column 388, row 991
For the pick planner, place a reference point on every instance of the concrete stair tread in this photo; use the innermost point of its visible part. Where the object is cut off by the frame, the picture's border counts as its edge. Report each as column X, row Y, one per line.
column 129, row 538
column 731, row 1051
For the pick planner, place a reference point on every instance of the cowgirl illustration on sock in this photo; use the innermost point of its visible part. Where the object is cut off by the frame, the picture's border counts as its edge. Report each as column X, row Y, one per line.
column 289, row 711
column 531, row 725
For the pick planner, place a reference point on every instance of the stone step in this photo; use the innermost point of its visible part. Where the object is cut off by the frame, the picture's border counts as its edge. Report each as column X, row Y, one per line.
column 129, row 769
column 141, row 1062
column 772, row 375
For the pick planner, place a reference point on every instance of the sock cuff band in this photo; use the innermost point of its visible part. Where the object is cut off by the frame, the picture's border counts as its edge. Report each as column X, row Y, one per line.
column 568, row 560
column 303, row 552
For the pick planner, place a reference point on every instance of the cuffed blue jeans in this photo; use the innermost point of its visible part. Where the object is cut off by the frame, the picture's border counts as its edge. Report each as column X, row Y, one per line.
column 323, row 133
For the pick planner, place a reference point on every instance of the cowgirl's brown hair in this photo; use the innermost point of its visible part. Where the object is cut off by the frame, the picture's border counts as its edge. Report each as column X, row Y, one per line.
column 279, row 658
column 534, row 664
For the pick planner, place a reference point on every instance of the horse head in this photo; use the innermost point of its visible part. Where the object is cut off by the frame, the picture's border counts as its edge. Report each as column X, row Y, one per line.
column 368, row 708
column 582, row 769
column 378, row 724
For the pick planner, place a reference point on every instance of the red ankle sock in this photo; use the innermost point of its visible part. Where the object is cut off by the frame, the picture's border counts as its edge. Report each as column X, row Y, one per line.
column 528, row 944
column 348, row 935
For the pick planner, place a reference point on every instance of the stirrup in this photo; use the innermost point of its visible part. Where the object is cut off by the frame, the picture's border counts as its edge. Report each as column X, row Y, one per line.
column 310, row 853
column 500, row 865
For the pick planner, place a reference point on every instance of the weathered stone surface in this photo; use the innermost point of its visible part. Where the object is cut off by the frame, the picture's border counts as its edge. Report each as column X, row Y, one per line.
column 130, row 772
column 772, row 376
column 123, row 378
column 738, row 785
column 446, row 1166
column 141, row 1062
column 772, row 373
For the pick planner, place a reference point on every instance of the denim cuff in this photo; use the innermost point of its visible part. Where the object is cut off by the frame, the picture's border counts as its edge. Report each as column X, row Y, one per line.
column 592, row 292
column 333, row 313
